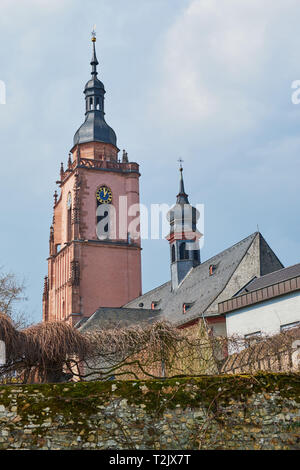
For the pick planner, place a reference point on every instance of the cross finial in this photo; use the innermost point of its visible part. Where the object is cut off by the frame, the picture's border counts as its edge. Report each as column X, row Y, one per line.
column 180, row 160
column 93, row 34
column 182, row 197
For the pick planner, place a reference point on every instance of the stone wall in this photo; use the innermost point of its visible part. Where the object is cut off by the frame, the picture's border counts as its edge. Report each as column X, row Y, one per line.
column 205, row 412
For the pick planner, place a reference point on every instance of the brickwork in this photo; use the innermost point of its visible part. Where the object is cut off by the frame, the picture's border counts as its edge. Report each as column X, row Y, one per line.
column 83, row 272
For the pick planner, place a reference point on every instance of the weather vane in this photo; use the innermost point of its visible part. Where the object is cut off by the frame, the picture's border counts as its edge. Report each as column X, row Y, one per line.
column 93, row 34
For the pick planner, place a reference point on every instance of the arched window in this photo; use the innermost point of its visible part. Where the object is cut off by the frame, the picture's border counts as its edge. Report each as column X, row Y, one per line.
column 173, row 257
column 63, row 310
column 106, row 226
column 69, row 217
column 183, row 252
column 103, row 230
column 104, row 209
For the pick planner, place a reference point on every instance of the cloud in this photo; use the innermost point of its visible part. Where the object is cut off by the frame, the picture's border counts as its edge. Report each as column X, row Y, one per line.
column 273, row 166
column 221, row 64
column 49, row 5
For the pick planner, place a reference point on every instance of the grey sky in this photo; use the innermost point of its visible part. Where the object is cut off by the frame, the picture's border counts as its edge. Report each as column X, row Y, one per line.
column 205, row 80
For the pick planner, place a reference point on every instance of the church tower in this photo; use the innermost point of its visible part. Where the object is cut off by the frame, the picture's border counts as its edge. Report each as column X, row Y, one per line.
column 95, row 250
column 183, row 237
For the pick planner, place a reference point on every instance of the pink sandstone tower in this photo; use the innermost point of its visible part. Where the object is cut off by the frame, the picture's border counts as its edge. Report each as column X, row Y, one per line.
column 95, row 253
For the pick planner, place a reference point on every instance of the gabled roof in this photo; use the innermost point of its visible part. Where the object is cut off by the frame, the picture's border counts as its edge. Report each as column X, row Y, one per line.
column 198, row 287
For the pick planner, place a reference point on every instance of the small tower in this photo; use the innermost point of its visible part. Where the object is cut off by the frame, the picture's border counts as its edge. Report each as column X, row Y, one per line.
column 183, row 237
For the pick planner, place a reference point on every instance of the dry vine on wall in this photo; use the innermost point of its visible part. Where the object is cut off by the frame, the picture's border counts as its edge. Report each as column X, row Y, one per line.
column 55, row 352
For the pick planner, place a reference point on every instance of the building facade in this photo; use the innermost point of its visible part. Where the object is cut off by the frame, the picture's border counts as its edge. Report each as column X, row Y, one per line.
column 266, row 306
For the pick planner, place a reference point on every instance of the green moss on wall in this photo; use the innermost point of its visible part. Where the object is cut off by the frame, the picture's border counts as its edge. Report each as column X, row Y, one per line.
column 86, row 413
column 84, row 398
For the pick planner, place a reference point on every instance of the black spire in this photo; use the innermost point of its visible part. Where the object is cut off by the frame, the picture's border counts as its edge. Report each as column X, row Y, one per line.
column 95, row 128
column 182, row 197
column 94, row 61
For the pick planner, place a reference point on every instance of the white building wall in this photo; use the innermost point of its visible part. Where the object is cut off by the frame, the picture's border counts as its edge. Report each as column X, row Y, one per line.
column 2, row 353
column 266, row 317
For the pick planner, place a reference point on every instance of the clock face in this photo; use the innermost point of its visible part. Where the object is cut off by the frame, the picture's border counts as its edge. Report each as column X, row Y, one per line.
column 104, row 195
column 69, row 201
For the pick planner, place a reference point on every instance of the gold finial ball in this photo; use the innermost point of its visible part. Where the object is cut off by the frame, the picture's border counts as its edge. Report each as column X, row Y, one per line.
column 93, row 34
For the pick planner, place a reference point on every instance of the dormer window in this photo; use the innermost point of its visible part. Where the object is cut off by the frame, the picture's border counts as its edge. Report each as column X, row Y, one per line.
column 186, row 307
column 212, row 269
column 183, row 252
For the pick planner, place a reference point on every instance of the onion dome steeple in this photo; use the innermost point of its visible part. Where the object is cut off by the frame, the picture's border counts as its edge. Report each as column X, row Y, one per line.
column 182, row 217
column 183, row 236
column 94, row 128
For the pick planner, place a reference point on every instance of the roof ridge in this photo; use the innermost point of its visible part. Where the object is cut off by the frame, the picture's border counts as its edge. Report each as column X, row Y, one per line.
column 148, row 292
column 232, row 246
column 125, row 308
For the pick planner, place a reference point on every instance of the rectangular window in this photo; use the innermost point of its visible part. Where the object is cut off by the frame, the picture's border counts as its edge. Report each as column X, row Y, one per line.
column 253, row 335
column 288, row 326
column 252, row 338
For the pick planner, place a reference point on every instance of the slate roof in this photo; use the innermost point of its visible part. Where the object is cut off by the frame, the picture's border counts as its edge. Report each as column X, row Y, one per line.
column 198, row 287
column 278, row 283
column 273, row 278
column 110, row 317
column 95, row 129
